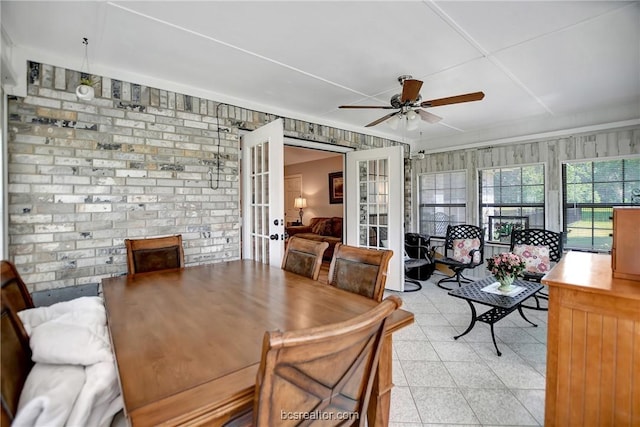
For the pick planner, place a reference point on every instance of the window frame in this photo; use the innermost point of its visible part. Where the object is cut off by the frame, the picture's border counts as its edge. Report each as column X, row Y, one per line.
column 420, row 205
column 593, row 205
column 481, row 205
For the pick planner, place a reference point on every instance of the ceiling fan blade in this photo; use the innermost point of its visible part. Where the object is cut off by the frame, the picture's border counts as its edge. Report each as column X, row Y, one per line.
column 386, row 107
column 427, row 116
column 410, row 90
column 467, row 97
column 382, row 119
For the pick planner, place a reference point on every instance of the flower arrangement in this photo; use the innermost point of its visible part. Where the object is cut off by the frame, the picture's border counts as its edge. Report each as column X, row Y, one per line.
column 505, row 264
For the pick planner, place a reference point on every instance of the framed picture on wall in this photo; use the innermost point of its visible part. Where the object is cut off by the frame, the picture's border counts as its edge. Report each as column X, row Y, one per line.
column 336, row 187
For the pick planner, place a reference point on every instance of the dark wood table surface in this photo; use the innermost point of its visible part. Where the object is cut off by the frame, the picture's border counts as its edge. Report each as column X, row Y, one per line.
column 188, row 342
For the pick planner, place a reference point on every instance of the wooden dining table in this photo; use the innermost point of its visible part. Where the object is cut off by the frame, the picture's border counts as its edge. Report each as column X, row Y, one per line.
column 188, row 341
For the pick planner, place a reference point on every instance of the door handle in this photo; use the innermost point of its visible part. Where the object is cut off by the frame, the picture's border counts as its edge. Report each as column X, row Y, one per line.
column 274, row 236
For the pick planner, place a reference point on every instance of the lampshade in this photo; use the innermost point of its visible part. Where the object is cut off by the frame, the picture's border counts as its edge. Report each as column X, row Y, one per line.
column 394, row 122
column 300, row 203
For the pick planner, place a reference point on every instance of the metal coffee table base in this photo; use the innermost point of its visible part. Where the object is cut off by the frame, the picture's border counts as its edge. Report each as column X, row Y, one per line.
column 491, row 317
column 501, row 305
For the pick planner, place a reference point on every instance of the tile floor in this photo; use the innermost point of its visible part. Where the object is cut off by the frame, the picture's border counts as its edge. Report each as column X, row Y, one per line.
column 441, row 381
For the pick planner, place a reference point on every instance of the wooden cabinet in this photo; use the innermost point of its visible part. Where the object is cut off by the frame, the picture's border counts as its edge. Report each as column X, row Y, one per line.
column 593, row 345
column 625, row 251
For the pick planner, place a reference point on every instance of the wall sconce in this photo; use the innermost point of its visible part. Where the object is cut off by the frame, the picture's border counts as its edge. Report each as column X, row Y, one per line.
column 300, row 203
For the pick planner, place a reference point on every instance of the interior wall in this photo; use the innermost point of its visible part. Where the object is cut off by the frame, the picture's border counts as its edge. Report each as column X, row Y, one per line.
column 134, row 162
column 315, row 186
column 613, row 143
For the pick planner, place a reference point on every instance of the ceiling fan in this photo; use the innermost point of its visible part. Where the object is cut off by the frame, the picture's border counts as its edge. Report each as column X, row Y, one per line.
column 408, row 102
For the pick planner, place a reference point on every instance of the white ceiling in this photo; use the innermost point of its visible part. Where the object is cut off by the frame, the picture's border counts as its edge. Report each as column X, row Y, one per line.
column 544, row 66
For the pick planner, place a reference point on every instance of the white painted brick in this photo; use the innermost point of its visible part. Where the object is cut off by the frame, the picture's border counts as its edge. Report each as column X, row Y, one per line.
column 30, row 159
column 77, row 106
column 21, row 239
column 52, row 189
column 175, row 137
column 159, row 143
column 130, row 123
column 188, row 116
column 72, row 161
column 57, row 94
column 70, row 198
column 38, row 278
column 136, row 198
column 54, row 228
column 44, row 102
column 162, row 127
column 97, row 207
column 83, row 180
column 199, row 125
column 140, row 116
column 161, row 112
column 30, row 139
column 131, row 173
column 29, row 179
column 107, row 180
column 99, row 163
column 92, row 189
column 111, row 112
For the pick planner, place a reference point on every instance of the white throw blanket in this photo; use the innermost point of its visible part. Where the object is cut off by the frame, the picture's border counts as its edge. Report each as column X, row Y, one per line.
column 74, row 380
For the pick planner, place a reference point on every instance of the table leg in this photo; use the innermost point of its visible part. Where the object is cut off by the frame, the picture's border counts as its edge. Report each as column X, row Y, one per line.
column 493, row 337
column 380, row 401
column 524, row 317
column 473, row 321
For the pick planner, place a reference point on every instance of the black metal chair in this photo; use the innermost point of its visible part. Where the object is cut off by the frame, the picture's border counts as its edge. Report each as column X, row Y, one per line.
column 457, row 234
column 537, row 237
column 418, row 264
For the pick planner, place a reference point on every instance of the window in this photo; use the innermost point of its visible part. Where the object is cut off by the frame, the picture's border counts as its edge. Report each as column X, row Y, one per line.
column 511, row 198
column 590, row 190
column 441, row 201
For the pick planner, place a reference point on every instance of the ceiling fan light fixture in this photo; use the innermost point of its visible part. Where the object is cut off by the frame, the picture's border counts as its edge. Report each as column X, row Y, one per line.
column 411, row 115
column 412, row 124
column 394, row 122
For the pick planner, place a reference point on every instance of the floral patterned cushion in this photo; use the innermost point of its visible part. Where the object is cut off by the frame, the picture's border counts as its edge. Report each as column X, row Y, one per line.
column 461, row 249
column 536, row 258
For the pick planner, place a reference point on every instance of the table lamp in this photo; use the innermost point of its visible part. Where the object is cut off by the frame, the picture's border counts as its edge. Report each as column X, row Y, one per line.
column 300, row 203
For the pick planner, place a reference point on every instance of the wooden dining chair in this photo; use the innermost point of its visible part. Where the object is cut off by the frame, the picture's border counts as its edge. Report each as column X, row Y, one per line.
column 360, row 270
column 304, row 257
column 154, row 254
column 326, row 369
column 16, row 354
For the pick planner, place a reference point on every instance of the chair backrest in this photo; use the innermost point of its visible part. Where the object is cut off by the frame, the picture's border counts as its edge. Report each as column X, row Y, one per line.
column 538, row 237
column 360, row 270
column 154, row 254
column 328, row 369
column 416, row 245
column 304, row 256
column 464, row 232
column 14, row 291
column 15, row 360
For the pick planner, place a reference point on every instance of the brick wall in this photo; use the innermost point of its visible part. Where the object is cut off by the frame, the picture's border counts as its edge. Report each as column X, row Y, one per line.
column 133, row 162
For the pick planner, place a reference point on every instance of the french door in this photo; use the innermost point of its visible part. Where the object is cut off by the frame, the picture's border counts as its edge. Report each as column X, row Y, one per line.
column 263, row 190
column 375, row 205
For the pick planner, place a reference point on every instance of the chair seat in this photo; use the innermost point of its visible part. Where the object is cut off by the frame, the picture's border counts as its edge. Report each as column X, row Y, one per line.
column 410, row 264
column 451, row 262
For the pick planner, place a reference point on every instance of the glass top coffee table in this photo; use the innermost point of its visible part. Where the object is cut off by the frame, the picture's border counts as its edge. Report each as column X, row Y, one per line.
column 502, row 304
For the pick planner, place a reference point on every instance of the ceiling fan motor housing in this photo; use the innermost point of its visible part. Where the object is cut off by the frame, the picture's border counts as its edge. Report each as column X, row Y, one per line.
column 397, row 103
